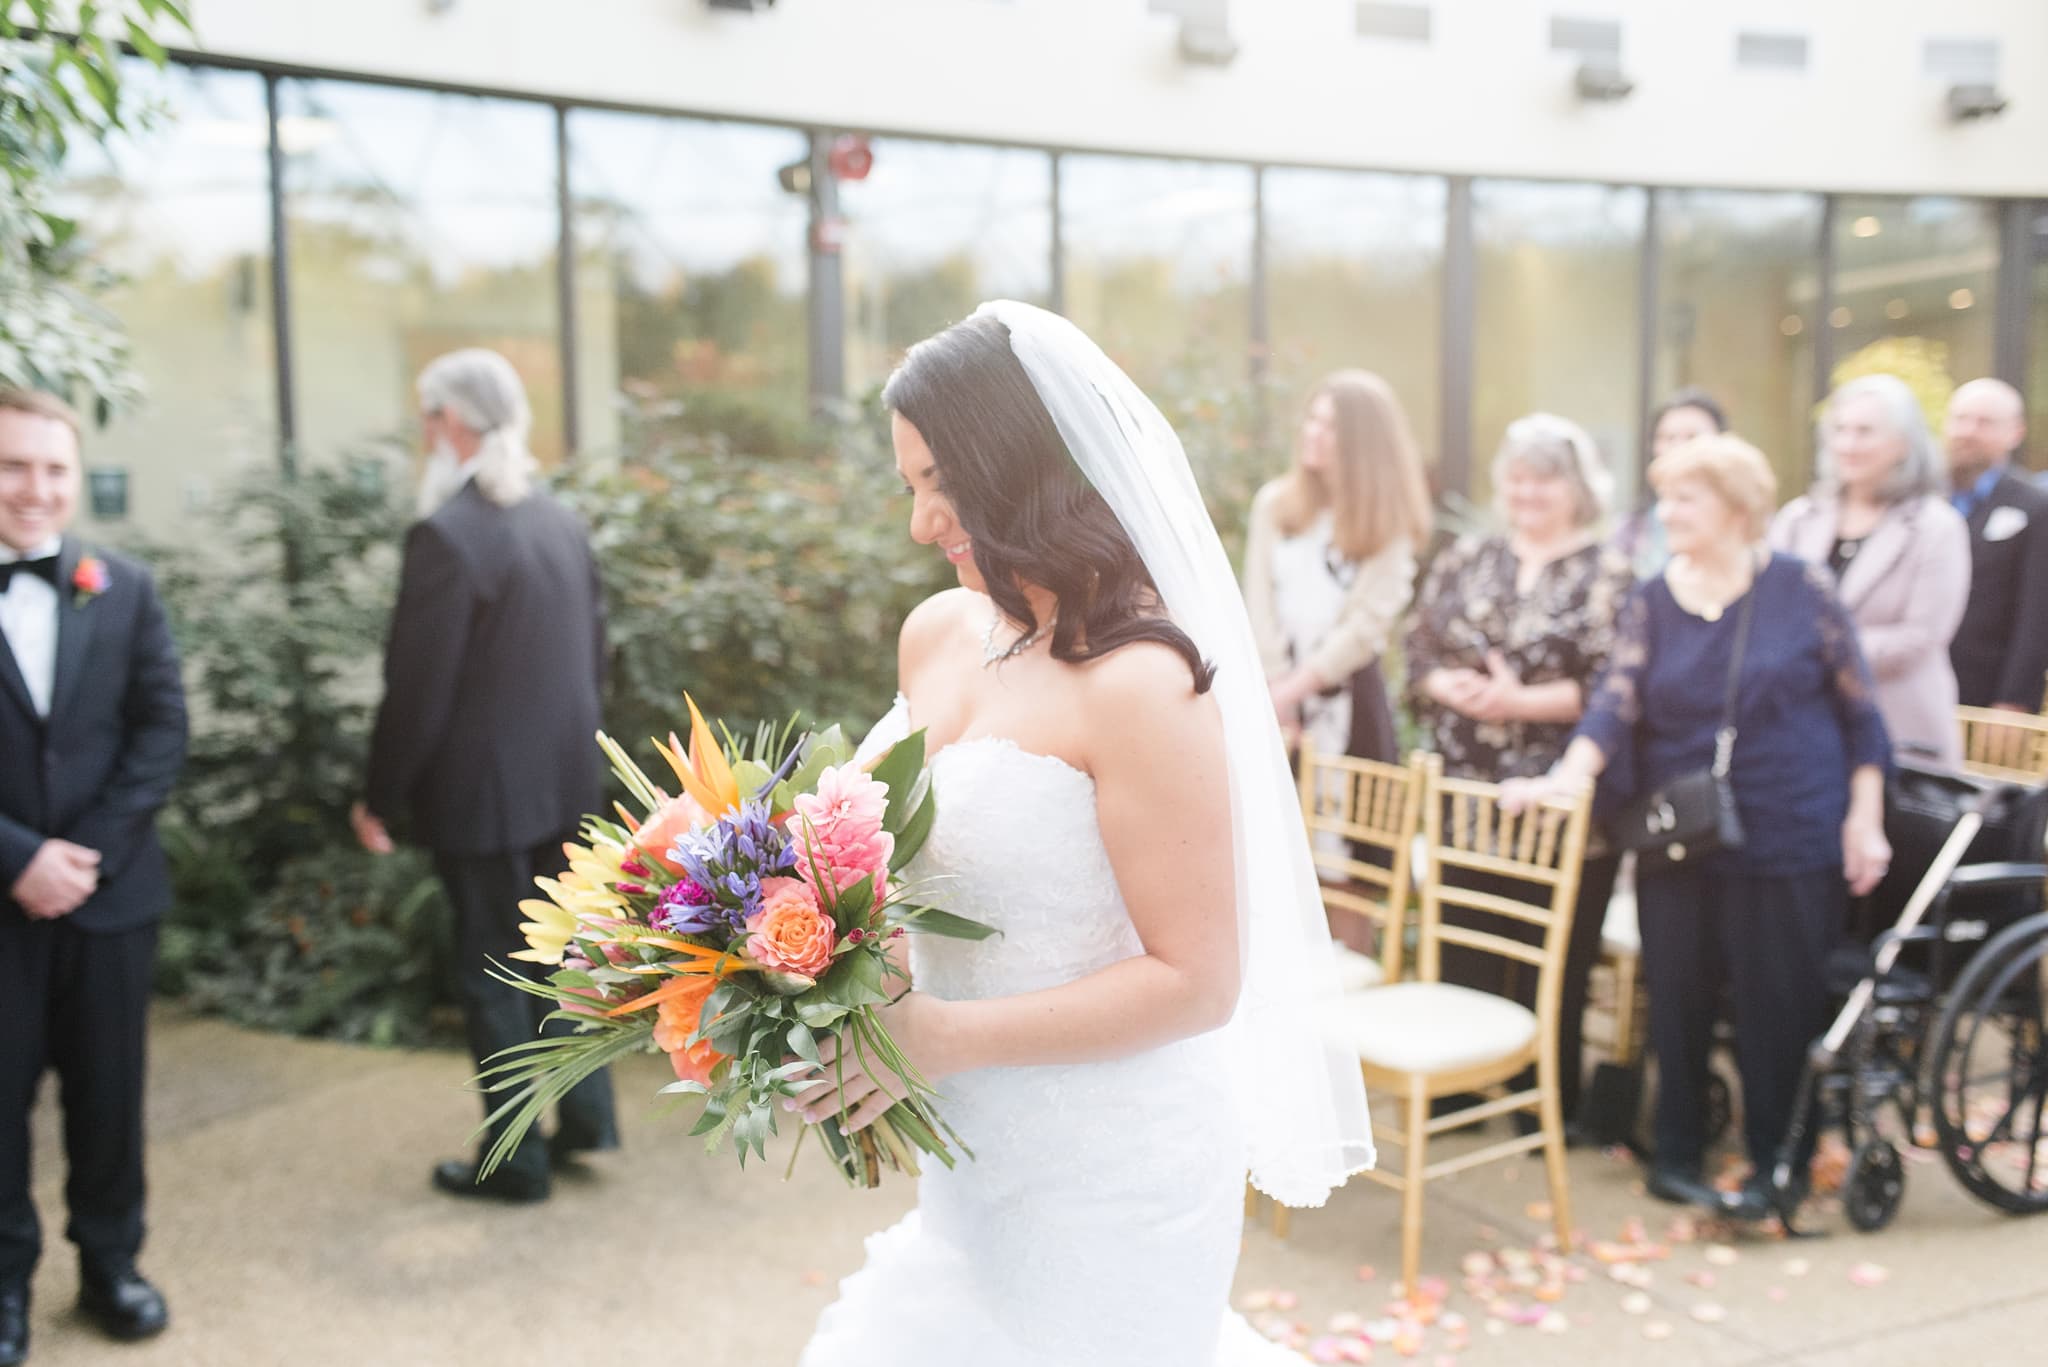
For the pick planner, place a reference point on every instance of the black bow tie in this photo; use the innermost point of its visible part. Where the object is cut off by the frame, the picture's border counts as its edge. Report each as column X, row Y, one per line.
column 45, row 568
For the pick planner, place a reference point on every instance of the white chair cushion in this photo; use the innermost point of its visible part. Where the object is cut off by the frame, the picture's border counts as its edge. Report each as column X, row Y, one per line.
column 1356, row 972
column 1619, row 931
column 1431, row 1027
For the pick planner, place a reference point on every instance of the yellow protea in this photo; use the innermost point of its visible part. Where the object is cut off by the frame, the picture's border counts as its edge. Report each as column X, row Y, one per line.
column 548, row 933
column 704, row 773
column 595, row 868
column 582, row 894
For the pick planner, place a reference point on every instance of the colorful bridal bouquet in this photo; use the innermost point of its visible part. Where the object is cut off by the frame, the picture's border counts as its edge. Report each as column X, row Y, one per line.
column 733, row 927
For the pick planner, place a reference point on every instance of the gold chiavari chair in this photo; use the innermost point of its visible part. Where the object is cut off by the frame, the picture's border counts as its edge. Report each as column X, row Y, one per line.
column 1417, row 1041
column 2004, row 745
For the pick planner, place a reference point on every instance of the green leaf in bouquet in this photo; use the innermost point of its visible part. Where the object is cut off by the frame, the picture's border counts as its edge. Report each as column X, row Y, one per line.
column 786, row 984
column 915, row 831
column 728, row 1032
column 714, row 1117
column 573, row 977
column 932, row 921
column 821, row 1013
column 868, row 976
column 851, row 907
column 822, row 751
column 804, row 1044
column 684, row 1087
column 854, row 981
column 900, row 769
column 751, row 777
column 752, row 1131
column 637, row 783
column 539, row 1073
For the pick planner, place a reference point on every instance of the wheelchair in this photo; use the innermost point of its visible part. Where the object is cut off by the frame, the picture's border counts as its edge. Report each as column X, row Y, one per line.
column 1941, row 992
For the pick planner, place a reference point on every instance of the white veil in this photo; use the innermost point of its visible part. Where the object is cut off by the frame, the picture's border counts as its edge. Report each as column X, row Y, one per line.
column 1302, row 1103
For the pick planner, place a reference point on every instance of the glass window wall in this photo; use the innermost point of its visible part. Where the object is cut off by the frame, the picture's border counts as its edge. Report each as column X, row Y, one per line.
column 935, row 229
column 1558, row 308
column 691, row 266
column 180, row 213
column 1738, row 288
column 418, row 222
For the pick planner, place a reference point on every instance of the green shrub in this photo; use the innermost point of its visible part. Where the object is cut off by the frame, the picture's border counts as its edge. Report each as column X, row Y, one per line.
column 341, row 943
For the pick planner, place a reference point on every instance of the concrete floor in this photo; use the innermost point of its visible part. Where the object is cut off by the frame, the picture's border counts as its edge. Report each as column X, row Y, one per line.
column 292, row 1224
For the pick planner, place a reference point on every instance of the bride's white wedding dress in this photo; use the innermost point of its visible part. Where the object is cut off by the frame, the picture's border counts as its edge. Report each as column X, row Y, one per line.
column 1099, row 1221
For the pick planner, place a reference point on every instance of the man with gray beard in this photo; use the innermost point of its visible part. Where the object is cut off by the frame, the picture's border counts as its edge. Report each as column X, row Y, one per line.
column 483, row 751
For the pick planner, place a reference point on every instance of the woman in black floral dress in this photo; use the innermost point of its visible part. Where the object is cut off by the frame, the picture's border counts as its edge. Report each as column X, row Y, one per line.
column 1509, row 635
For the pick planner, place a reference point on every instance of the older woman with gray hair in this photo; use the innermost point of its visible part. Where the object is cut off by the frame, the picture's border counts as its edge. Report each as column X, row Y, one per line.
column 1879, row 519
column 1510, row 633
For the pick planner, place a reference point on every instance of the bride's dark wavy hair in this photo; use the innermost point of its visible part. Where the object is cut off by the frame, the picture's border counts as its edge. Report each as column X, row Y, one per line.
column 1015, row 489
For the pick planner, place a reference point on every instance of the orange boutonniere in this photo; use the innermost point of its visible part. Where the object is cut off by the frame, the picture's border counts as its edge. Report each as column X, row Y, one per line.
column 89, row 580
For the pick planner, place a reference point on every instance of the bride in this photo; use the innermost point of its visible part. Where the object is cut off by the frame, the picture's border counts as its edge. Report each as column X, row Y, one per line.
column 1114, row 799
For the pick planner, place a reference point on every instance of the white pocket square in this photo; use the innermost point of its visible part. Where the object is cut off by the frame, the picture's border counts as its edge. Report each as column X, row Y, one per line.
column 2004, row 524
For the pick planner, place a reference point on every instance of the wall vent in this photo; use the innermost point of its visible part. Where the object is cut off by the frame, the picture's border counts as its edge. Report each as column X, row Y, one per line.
column 1403, row 23
column 1771, row 51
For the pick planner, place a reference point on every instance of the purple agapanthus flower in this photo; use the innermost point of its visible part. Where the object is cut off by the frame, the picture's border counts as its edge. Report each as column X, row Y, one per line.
column 725, row 863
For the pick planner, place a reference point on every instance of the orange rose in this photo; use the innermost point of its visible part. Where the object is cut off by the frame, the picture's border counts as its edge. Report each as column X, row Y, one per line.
column 657, row 834
column 791, row 934
column 676, row 1020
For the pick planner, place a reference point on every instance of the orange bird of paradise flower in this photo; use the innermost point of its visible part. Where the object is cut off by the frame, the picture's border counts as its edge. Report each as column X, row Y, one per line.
column 703, row 772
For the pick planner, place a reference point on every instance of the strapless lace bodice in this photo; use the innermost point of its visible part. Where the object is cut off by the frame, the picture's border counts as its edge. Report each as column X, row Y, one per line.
column 1098, row 1223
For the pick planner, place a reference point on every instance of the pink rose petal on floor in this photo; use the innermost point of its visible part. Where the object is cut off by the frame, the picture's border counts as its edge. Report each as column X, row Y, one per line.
column 1776, row 1293
column 1797, row 1267
column 1709, row 1312
column 1637, row 1303
column 1703, row 1280
column 1657, row 1330
column 1365, row 1272
column 1285, row 1300
column 1553, row 1323
column 1868, row 1274
column 814, row 1278
column 1721, row 1255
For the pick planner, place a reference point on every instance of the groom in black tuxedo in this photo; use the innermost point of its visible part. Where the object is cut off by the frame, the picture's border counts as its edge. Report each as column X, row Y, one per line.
column 92, row 735
column 486, row 740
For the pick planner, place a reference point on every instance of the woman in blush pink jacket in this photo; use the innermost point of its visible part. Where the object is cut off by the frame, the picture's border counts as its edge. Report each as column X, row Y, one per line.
column 1879, row 519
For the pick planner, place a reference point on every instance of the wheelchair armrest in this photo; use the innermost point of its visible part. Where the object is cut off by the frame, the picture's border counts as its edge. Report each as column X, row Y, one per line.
column 1991, row 877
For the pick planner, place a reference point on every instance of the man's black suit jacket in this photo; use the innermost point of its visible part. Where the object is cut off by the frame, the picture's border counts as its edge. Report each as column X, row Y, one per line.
column 96, row 771
column 485, row 740
column 2000, row 652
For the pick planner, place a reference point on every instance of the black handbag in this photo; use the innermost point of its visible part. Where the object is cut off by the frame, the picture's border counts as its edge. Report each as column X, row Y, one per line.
column 1693, row 814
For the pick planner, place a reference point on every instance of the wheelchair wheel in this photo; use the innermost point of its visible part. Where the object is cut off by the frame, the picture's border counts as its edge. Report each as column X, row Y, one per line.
column 1990, row 1071
column 1875, row 1185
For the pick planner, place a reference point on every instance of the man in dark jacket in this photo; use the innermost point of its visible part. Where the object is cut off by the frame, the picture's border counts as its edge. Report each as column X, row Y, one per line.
column 2000, row 652
column 92, row 735
column 484, row 750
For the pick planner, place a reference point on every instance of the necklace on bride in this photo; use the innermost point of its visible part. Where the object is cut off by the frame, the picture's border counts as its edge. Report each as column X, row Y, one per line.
column 992, row 655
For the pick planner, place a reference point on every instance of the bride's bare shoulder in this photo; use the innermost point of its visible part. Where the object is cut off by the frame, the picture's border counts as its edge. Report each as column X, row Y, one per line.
column 1146, row 689
column 932, row 623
